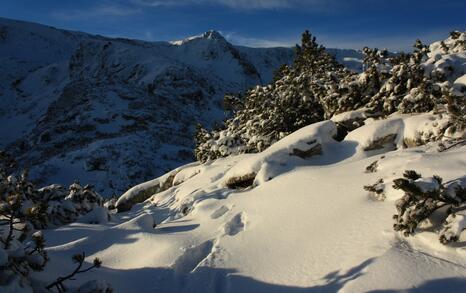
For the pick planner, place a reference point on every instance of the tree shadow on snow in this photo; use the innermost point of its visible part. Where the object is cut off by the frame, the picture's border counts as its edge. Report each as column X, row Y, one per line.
column 70, row 233
column 335, row 153
column 176, row 229
column 451, row 285
column 214, row 280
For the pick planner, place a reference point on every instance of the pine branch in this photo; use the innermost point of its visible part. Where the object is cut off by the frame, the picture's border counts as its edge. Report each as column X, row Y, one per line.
column 79, row 258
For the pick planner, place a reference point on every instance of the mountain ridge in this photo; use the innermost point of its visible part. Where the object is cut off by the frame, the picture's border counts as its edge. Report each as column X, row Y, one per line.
column 114, row 112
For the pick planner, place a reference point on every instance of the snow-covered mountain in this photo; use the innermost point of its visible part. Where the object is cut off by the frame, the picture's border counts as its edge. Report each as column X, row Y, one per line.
column 326, row 207
column 115, row 112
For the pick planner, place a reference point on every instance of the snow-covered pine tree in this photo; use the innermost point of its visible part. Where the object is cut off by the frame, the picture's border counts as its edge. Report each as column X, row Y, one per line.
column 423, row 80
column 280, row 73
column 301, row 94
column 316, row 87
column 406, row 89
column 456, row 95
column 456, row 106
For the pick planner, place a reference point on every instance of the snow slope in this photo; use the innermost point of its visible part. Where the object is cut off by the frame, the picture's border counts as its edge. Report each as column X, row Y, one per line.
column 305, row 225
column 115, row 112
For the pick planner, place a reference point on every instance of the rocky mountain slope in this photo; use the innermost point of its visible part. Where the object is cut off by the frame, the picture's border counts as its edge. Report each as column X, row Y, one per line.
column 116, row 112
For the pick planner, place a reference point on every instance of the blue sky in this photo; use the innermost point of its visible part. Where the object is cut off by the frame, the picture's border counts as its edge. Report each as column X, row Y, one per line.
column 392, row 24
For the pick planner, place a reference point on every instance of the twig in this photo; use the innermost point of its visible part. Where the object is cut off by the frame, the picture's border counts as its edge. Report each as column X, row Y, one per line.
column 80, row 259
column 453, row 145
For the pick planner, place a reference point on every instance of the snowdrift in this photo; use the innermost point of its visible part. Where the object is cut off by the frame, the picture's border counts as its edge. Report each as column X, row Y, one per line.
column 302, row 223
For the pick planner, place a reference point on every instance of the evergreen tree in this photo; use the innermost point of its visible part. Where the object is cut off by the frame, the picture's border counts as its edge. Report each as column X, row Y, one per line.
column 301, row 94
column 316, row 87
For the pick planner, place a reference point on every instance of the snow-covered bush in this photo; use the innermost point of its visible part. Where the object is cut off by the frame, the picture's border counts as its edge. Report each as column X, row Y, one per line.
column 372, row 168
column 62, row 206
column 110, row 203
column 376, row 190
column 424, row 196
column 456, row 99
column 23, row 209
column 424, row 79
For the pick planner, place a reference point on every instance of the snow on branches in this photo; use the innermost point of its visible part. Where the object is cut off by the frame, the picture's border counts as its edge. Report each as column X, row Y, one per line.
column 424, row 196
column 23, row 209
column 316, row 87
column 300, row 95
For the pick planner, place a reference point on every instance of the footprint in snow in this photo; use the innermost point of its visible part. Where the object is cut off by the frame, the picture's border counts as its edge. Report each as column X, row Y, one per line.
column 219, row 212
column 192, row 257
column 236, row 224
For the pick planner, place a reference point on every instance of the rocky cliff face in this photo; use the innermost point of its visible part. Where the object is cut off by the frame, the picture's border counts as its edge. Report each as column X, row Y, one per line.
column 115, row 112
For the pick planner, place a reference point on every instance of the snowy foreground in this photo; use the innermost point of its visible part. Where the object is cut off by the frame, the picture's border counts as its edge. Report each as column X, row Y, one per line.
column 305, row 225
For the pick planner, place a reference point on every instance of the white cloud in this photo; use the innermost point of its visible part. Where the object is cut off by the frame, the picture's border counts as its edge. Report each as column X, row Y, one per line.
column 254, row 4
column 241, row 40
column 130, row 7
column 236, row 4
column 97, row 11
column 121, row 8
column 347, row 41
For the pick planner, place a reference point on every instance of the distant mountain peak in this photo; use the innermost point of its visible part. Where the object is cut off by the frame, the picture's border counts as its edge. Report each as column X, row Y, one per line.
column 213, row 35
column 208, row 35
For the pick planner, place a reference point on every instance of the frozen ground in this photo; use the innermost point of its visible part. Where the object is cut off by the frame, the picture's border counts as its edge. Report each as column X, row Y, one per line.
column 306, row 225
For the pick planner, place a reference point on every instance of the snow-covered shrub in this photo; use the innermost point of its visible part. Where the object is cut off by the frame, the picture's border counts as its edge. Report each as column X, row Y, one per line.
column 372, row 168
column 48, row 206
column 62, row 206
column 425, row 195
column 21, row 250
column 376, row 190
column 456, row 99
column 406, row 88
column 422, row 80
column 110, row 203
column 415, row 82
column 457, row 110
column 24, row 208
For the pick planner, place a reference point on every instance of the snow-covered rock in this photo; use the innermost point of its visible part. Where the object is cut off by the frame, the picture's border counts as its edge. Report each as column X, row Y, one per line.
column 399, row 130
column 98, row 215
column 289, row 151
